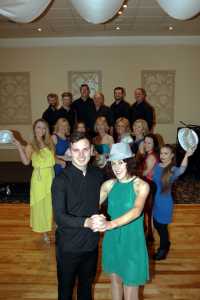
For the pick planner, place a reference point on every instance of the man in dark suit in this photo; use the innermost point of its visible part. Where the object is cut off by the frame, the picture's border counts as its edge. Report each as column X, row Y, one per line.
column 51, row 113
column 101, row 109
column 85, row 108
column 141, row 109
column 120, row 108
column 66, row 111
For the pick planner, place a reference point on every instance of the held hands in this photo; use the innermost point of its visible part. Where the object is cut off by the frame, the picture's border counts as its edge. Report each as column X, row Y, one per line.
column 97, row 223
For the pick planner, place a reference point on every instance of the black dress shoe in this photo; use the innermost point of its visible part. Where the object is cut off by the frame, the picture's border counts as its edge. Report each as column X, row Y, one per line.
column 160, row 254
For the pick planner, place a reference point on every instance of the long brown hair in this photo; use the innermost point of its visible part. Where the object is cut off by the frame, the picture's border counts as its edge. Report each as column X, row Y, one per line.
column 167, row 171
column 46, row 138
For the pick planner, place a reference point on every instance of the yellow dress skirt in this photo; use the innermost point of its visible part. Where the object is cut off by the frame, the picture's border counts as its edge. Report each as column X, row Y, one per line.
column 40, row 192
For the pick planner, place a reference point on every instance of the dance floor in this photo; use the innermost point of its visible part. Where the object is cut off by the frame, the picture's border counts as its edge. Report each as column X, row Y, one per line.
column 27, row 264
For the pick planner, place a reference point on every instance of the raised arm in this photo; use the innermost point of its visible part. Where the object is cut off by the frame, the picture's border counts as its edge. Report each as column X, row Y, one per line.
column 189, row 153
column 150, row 163
column 179, row 171
column 24, row 152
column 142, row 190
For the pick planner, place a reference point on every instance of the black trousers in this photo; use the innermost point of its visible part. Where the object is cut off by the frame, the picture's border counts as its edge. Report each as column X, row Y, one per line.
column 162, row 230
column 71, row 266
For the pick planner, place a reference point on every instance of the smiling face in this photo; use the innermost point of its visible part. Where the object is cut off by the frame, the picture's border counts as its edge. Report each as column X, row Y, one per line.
column 148, row 144
column 53, row 101
column 40, row 130
column 63, row 127
column 81, row 127
column 80, row 153
column 119, row 169
column 98, row 100
column 121, row 128
column 85, row 92
column 166, row 155
column 139, row 95
column 118, row 94
column 67, row 101
column 138, row 129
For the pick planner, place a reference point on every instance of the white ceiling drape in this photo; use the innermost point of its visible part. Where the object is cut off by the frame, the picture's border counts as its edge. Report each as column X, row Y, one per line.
column 23, row 11
column 180, row 9
column 93, row 11
column 97, row 11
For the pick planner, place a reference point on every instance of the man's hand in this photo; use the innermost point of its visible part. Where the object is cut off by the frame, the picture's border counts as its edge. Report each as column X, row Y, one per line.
column 96, row 223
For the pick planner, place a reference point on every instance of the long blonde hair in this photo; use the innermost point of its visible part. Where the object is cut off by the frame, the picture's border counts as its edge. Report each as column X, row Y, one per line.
column 144, row 126
column 101, row 120
column 124, row 121
column 46, row 138
column 59, row 123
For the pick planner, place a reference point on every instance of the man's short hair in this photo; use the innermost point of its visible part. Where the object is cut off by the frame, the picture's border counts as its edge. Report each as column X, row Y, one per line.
column 121, row 89
column 52, row 95
column 142, row 91
column 67, row 94
column 85, row 85
column 76, row 136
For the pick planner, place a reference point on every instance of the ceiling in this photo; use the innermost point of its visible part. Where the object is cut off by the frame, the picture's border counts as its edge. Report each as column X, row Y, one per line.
column 140, row 18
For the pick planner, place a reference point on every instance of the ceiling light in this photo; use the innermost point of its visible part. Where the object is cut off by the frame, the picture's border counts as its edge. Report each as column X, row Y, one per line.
column 117, row 28
column 97, row 11
column 120, row 12
column 125, row 5
column 171, row 27
column 180, row 9
column 39, row 29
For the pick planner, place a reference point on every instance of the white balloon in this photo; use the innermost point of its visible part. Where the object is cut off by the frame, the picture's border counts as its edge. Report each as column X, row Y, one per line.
column 23, row 11
column 97, row 11
column 180, row 9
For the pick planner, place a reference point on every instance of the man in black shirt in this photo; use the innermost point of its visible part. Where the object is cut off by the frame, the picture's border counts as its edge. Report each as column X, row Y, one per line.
column 50, row 114
column 141, row 109
column 101, row 109
column 76, row 194
column 66, row 110
column 120, row 108
column 85, row 109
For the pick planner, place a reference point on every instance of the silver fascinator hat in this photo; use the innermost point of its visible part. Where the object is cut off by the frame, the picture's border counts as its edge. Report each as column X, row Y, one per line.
column 120, row 151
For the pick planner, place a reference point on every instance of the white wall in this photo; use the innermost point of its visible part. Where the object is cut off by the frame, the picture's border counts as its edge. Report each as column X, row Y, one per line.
column 48, row 67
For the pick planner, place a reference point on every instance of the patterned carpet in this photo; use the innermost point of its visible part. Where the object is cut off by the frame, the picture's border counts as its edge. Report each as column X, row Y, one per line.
column 187, row 190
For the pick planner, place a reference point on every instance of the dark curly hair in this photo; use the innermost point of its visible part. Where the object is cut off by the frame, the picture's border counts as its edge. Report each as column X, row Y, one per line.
column 130, row 165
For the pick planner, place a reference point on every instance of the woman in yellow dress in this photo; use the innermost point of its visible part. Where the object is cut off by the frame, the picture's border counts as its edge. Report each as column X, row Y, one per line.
column 41, row 152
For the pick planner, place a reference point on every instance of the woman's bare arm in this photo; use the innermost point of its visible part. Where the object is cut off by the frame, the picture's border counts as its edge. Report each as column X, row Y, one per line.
column 142, row 190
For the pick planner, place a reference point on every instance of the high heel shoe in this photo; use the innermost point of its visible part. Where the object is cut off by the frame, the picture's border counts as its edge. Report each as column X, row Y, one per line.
column 46, row 238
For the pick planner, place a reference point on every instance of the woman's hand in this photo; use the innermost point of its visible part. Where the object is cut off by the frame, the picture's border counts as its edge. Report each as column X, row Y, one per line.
column 191, row 151
column 98, row 223
column 16, row 142
column 62, row 163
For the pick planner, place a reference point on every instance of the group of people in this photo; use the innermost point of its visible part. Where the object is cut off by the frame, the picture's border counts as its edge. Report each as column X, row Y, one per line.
column 84, row 154
column 86, row 110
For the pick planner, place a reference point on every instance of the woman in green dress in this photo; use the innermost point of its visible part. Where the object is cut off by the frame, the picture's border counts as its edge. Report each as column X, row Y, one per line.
column 124, row 254
column 41, row 152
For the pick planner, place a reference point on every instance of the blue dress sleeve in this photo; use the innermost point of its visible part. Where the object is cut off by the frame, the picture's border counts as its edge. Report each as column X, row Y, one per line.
column 177, row 171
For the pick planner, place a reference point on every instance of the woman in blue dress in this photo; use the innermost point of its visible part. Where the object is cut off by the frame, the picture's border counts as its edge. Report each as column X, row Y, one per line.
column 60, row 139
column 164, row 174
